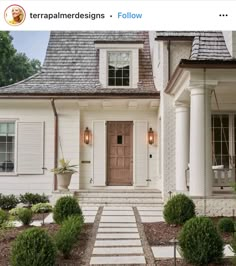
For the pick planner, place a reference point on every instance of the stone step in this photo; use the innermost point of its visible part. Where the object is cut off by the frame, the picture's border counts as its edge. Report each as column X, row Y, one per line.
column 118, row 204
column 118, row 195
column 118, row 251
column 120, row 200
column 116, row 236
column 125, row 260
column 117, row 230
column 118, row 243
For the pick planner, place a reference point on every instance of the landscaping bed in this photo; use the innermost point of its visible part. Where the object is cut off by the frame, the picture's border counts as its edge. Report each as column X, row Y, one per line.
column 160, row 233
column 77, row 255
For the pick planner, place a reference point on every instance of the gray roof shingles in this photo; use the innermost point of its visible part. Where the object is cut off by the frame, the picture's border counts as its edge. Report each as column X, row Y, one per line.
column 206, row 45
column 71, row 66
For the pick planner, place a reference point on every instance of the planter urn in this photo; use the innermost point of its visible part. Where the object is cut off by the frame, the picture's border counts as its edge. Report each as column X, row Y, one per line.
column 63, row 181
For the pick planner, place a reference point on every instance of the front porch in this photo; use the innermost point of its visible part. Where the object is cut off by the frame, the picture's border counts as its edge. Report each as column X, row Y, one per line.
column 205, row 130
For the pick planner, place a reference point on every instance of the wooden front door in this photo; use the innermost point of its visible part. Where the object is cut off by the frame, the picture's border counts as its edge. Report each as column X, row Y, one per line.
column 120, row 153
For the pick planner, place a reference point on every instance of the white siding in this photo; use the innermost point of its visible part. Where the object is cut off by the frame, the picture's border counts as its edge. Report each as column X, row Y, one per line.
column 140, row 153
column 99, row 153
column 30, row 151
column 69, row 128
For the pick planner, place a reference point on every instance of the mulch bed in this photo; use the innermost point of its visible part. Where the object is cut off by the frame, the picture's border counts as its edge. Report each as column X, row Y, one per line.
column 9, row 235
column 160, row 234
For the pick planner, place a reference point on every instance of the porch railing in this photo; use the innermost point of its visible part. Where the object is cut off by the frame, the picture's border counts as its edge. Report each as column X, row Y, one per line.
column 221, row 177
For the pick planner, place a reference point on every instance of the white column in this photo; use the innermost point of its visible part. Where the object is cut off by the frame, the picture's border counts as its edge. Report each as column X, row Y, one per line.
column 200, row 143
column 182, row 145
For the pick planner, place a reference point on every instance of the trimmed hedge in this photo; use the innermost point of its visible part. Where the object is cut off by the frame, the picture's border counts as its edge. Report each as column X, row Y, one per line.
column 33, row 247
column 200, row 242
column 226, row 225
column 179, row 209
column 65, row 207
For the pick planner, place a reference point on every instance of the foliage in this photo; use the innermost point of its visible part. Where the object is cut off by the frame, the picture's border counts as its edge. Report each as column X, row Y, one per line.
column 8, row 202
column 31, row 199
column 3, row 217
column 64, row 167
column 33, row 247
column 226, row 225
column 41, row 208
column 65, row 207
column 200, row 242
column 179, row 209
column 14, row 211
column 233, row 245
column 14, row 66
column 25, row 216
column 68, row 234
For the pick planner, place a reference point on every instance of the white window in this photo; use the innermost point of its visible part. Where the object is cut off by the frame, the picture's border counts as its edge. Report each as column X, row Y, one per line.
column 119, row 64
column 21, row 147
column 224, row 139
column 7, row 146
column 119, row 69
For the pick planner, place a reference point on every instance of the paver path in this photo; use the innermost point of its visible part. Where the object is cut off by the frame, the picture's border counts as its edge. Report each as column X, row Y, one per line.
column 117, row 240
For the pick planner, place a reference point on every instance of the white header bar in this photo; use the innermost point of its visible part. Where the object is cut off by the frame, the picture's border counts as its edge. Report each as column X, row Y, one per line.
column 121, row 15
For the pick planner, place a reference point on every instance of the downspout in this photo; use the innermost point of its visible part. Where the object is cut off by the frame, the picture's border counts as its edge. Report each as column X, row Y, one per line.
column 168, row 55
column 55, row 141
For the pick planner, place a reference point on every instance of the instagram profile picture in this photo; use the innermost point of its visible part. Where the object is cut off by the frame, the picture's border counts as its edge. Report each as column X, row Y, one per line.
column 15, row 15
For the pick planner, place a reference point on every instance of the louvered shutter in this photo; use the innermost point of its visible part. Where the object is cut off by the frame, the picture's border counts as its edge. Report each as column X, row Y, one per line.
column 30, row 147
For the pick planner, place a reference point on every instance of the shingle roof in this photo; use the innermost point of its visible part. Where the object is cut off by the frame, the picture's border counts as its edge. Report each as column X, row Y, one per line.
column 72, row 65
column 206, row 45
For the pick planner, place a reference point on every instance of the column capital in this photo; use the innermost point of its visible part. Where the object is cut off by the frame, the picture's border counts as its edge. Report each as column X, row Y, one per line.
column 201, row 85
column 181, row 106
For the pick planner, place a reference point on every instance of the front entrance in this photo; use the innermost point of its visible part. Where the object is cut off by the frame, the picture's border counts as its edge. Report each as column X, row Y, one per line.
column 120, row 153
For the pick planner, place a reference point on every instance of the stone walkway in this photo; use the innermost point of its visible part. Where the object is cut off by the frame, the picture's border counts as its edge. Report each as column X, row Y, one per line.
column 117, row 240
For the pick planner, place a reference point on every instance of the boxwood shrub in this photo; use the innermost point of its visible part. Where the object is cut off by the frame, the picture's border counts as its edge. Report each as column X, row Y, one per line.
column 33, row 247
column 226, row 225
column 179, row 209
column 65, row 207
column 200, row 241
column 8, row 202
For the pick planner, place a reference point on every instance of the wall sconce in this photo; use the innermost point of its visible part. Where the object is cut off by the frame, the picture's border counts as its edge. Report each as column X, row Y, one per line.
column 150, row 136
column 86, row 135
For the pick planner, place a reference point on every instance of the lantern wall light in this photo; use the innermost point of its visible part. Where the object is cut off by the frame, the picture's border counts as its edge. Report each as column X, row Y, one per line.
column 150, row 136
column 86, row 135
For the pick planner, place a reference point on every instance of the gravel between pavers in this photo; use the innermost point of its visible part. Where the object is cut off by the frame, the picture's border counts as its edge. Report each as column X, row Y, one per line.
column 146, row 248
column 92, row 239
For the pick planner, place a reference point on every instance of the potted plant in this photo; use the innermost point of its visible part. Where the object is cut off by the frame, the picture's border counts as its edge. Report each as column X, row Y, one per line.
column 64, row 173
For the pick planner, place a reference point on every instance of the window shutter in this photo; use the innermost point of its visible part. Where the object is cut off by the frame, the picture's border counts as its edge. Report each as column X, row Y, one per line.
column 30, row 147
column 140, row 153
column 99, row 153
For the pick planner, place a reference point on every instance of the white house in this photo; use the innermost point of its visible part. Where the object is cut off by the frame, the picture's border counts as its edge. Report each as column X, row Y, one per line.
column 159, row 109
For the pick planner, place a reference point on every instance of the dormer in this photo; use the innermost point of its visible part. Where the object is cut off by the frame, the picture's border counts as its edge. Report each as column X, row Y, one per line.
column 119, row 63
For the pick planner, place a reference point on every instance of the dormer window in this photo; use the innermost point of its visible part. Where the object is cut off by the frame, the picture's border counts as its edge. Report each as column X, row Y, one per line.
column 119, row 69
column 119, row 63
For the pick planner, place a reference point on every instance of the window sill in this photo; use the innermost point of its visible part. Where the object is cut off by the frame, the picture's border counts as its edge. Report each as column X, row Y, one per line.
column 8, row 174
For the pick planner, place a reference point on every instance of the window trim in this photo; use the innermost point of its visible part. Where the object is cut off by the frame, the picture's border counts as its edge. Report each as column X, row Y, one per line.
column 14, row 173
column 130, row 70
column 232, row 151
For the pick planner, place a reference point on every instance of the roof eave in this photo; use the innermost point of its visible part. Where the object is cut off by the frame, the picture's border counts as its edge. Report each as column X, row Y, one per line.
column 197, row 64
column 82, row 96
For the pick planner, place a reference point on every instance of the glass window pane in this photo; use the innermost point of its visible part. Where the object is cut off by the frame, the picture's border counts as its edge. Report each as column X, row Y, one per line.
column 3, row 128
column 3, row 147
column 11, row 128
column 126, row 82
column 10, row 147
column 111, row 82
column 118, row 82
column 3, row 157
column 217, row 134
column 10, row 139
column 126, row 73
column 111, row 73
column 119, row 73
column 225, row 120
column 217, row 121
column 3, row 138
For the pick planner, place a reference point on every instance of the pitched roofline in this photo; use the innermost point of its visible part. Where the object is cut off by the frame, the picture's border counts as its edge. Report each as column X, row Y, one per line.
column 82, row 96
column 194, row 64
